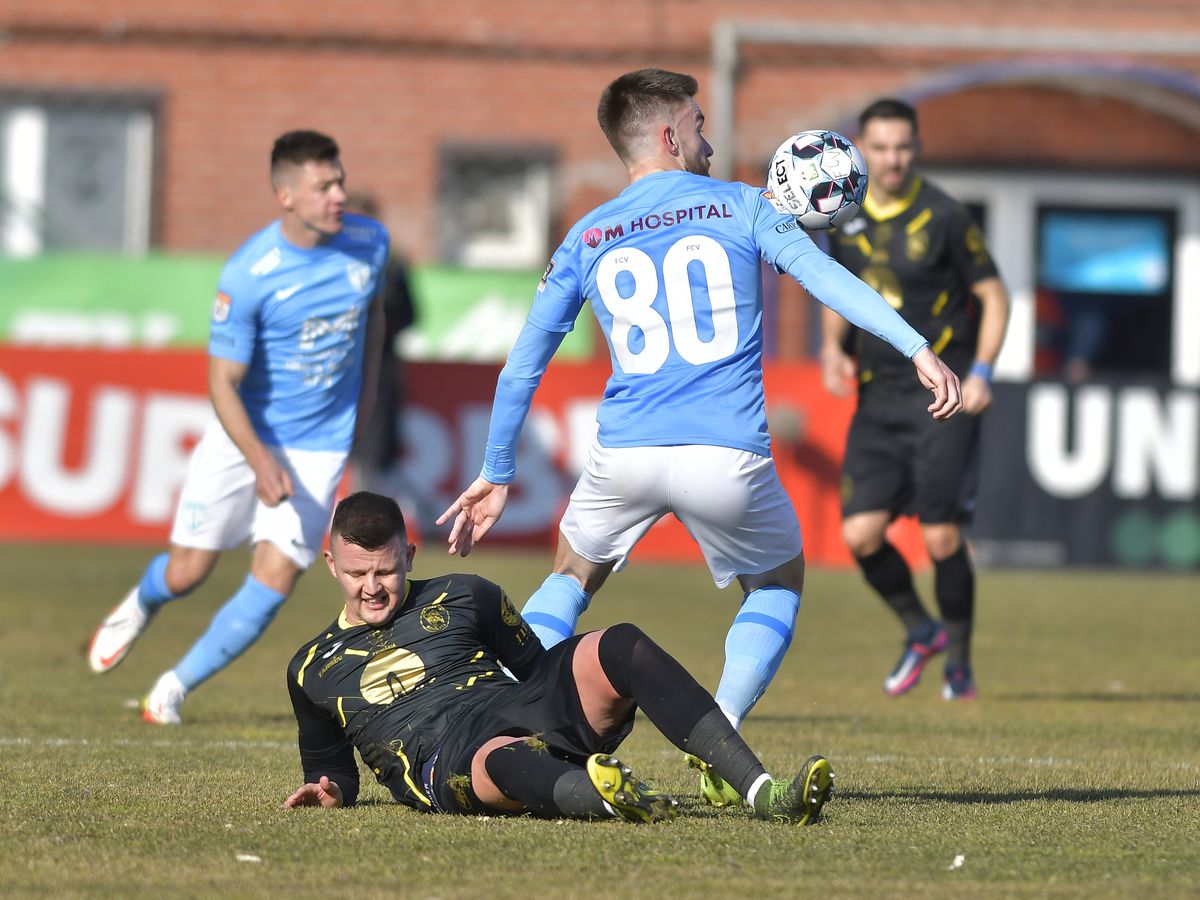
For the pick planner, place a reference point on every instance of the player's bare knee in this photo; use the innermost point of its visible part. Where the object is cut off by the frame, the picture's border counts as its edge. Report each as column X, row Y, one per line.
column 864, row 535
column 942, row 541
column 273, row 569
column 481, row 780
column 187, row 568
column 603, row 694
column 790, row 575
column 590, row 575
column 592, row 682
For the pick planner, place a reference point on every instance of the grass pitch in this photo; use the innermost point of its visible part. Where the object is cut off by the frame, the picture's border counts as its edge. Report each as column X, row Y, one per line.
column 1076, row 773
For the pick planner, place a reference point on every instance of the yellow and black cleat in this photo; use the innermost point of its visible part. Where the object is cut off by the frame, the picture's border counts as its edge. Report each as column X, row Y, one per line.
column 714, row 789
column 798, row 801
column 632, row 800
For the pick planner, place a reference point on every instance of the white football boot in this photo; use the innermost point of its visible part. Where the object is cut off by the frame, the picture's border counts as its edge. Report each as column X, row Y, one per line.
column 161, row 706
column 113, row 639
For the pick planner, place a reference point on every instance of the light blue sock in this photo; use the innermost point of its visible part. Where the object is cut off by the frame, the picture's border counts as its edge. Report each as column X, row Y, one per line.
column 235, row 627
column 152, row 589
column 754, row 648
column 554, row 609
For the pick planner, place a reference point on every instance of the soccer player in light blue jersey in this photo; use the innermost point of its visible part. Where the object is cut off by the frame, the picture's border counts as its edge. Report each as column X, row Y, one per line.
column 672, row 269
column 296, row 332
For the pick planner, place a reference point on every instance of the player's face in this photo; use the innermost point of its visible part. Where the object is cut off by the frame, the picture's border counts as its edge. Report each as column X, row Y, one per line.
column 694, row 150
column 314, row 196
column 372, row 581
column 889, row 147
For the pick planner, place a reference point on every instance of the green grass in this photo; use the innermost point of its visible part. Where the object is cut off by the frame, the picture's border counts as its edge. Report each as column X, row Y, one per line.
column 1077, row 773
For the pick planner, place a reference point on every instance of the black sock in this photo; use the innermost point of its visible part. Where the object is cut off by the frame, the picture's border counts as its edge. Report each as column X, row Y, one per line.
column 888, row 573
column 674, row 701
column 954, row 584
column 551, row 787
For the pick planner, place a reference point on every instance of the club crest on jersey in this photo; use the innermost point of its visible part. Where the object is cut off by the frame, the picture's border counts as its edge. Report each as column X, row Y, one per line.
column 435, row 619
column 917, row 245
column 508, row 612
column 854, row 226
column 220, row 311
column 359, row 275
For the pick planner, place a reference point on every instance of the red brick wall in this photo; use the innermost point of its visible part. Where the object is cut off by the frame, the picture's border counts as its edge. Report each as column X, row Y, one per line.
column 394, row 80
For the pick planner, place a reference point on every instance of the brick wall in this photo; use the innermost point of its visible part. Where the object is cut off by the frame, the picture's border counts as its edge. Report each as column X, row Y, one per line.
column 394, row 81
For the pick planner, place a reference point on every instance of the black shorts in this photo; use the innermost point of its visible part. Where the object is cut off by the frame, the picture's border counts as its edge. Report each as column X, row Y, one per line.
column 902, row 460
column 547, row 705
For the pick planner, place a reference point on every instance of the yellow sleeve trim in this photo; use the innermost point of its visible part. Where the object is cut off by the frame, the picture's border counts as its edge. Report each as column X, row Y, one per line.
column 312, row 651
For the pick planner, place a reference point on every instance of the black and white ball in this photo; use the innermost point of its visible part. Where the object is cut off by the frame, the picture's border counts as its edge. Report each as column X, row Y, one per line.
column 819, row 177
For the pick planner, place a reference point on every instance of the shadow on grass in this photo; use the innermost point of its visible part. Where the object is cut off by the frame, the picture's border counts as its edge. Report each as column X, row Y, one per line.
column 1068, row 795
column 804, row 718
column 1106, row 697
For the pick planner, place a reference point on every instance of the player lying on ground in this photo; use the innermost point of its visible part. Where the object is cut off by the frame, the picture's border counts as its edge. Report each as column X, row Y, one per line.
column 410, row 674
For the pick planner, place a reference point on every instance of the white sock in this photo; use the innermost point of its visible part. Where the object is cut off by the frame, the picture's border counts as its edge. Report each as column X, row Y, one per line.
column 733, row 718
column 765, row 778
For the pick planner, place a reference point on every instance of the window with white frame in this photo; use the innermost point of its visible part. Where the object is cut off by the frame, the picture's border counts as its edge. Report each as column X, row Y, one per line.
column 76, row 173
column 494, row 206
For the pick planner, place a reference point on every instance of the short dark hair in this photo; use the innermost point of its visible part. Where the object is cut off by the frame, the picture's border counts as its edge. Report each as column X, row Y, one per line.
column 634, row 98
column 888, row 108
column 368, row 520
column 299, row 147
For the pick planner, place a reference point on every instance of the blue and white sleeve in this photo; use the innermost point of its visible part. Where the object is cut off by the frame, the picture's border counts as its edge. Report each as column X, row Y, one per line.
column 556, row 304
column 234, row 329
column 519, row 379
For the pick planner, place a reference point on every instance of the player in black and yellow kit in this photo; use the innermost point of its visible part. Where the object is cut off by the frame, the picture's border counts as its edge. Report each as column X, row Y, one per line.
column 412, row 674
column 921, row 250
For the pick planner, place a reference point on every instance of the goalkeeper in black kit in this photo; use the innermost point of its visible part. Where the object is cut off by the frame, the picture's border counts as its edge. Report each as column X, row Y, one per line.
column 412, row 674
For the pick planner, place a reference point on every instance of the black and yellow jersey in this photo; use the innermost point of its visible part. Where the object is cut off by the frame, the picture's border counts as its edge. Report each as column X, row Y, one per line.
column 922, row 253
column 394, row 691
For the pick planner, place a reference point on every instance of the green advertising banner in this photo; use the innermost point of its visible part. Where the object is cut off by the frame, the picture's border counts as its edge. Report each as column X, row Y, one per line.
column 161, row 300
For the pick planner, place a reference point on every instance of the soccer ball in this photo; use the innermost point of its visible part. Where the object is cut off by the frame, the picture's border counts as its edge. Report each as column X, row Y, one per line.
column 819, row 177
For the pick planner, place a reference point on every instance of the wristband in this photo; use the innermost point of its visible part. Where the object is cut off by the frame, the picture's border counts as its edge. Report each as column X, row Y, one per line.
column 982, row 370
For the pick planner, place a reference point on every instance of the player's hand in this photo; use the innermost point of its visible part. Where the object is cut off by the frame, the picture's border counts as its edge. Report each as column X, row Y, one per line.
column 475, row 511
column 837, row 371
column 272, row 482
column 977, row 395
column 937, row 376
column 325, row 793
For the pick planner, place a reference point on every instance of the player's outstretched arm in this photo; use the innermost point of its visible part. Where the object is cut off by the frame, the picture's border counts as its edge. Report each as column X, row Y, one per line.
column 475, row 511
column 941, row 381
column 324, row 793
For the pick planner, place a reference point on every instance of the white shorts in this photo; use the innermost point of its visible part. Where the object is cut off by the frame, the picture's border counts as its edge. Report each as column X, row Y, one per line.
column 218, row 509
column 731, row 502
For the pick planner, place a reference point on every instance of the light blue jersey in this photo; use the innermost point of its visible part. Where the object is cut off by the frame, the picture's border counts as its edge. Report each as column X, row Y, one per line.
column 298, row 318
column 672, row 269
